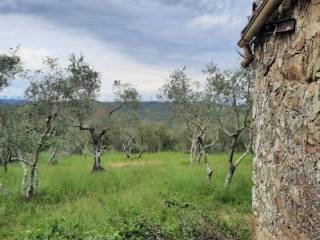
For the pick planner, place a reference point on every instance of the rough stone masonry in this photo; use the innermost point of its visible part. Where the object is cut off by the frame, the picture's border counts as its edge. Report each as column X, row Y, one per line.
column 286, row 193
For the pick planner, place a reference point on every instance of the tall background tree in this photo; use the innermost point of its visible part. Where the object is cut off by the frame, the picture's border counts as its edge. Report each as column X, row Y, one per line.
column 86, row 84
column 231, row 91
column 10, row 66
column 190, row 104
column 46, row 97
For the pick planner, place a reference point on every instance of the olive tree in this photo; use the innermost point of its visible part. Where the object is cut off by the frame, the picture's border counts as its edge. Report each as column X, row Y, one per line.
column 46, row 99
column 128, row 119
column 154, row 136
column 57, row 141
column 86, row 84
column 129, row 122
column 148, row 138
column 10, row 66
column 46, row 96
column 76, row 142
column 190, row 104
column 231, row 92
column 9, row 136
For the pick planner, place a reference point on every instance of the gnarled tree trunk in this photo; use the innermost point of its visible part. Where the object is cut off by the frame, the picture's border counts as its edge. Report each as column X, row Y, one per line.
column 232, row 167
column 96, row 148
column 127, row 146
column 6, row 161
column 142, row 149
column 33, row 182
column 52, row 159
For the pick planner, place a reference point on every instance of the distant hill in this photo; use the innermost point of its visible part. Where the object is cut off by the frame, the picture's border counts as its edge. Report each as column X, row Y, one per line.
column 12, row 102
column 151, row 110
column 155, row 110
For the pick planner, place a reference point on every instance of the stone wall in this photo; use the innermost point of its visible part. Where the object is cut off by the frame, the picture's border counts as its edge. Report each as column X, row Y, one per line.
column 286, row 193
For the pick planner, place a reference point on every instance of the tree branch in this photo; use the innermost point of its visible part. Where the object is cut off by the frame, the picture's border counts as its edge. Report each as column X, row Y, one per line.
column 202, row 129
column 214, row 141
column 245, row 154
column 31, row 130
column 223, row 128
column 188, row 129
column 20, row 160
column 103, row 132
column 114, row 110
column 81, row 127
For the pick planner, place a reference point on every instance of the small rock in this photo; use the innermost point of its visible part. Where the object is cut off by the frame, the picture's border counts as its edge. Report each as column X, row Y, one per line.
column 292, row 101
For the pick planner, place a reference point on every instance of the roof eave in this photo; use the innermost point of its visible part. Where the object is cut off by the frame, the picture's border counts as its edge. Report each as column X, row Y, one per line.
column 264, row 12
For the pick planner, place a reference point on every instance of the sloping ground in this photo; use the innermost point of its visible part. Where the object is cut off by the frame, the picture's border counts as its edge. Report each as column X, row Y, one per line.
column 160, row 197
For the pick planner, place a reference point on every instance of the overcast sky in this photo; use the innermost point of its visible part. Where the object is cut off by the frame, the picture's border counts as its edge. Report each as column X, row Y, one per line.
column 137, row 41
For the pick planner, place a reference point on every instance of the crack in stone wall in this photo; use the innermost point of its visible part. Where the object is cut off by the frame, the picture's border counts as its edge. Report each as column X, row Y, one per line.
column 286, row 193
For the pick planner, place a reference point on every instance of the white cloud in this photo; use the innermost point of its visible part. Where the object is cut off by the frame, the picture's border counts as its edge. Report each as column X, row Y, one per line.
column 138, row 41
column 208, row 22
column 32, row 57
column 39, row 39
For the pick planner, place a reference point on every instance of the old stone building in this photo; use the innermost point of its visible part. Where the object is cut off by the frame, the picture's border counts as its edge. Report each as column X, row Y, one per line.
column 286, row 122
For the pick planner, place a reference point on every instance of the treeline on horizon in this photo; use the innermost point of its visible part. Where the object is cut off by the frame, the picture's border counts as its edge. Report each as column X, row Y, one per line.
column 153, row 113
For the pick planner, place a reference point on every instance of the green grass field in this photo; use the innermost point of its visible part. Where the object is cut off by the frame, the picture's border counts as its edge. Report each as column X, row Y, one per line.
column 161, row 196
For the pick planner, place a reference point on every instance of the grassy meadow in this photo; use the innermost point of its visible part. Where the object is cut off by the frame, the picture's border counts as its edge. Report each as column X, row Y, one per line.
column 160, row 196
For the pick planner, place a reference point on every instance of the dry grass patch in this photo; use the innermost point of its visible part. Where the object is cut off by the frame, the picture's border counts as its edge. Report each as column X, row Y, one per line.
column 134, row 163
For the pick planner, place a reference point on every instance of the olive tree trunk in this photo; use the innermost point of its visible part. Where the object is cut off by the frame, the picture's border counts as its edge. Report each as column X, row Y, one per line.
column 33, row 182
column 232, row 167
column 52, row 159
column 127, row 147
column 97, row 155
